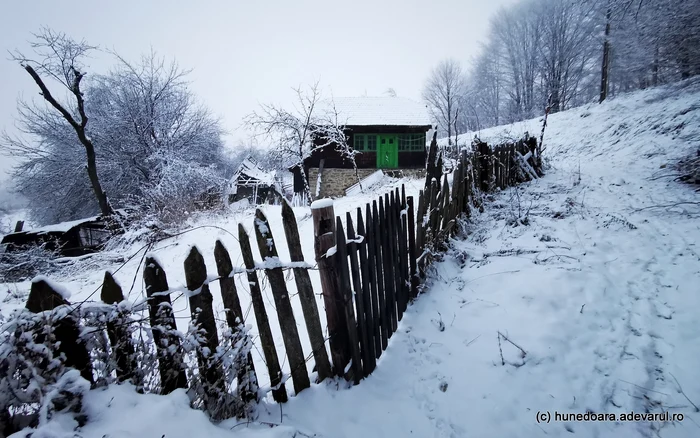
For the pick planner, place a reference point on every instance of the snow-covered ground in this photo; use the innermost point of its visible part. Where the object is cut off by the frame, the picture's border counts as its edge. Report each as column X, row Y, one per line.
column 589, row 304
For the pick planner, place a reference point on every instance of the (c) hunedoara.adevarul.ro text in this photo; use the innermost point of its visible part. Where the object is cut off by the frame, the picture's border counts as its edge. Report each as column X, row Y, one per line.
column 663, row 417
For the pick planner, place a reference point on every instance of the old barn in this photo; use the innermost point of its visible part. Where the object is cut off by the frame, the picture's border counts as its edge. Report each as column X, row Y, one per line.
column 69, row 239
column 254, row 184
column 389, row 133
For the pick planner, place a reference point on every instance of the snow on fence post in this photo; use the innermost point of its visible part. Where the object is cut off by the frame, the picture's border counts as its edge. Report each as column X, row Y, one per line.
column 379, row 266
column 306, row 294
column 202, row 314
column 346, row 303
column 279, row 392
column 368, row 289
column 285, row 315
column 160, row 310
column 42, row 298
column 118, row 330
column 359, row 295
column 325, row 248
column 247, row 378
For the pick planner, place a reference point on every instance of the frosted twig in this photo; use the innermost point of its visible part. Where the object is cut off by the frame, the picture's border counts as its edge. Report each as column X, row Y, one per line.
column 503, row 362
column 684, row 395
column 514, row 344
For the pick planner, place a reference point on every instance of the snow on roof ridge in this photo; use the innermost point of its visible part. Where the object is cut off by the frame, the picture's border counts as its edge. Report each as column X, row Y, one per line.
column 378, row 111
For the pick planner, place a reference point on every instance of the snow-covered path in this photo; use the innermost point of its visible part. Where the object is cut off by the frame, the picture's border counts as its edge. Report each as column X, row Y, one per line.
column 602, row 299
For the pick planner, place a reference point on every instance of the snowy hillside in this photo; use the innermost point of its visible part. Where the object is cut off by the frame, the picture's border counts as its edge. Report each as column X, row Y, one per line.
column 575, row 293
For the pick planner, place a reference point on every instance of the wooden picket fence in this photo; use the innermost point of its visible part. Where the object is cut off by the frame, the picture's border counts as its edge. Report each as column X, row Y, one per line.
column 371, row 268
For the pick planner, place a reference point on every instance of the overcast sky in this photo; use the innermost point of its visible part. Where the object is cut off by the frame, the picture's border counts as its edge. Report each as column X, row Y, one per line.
column 246, row 52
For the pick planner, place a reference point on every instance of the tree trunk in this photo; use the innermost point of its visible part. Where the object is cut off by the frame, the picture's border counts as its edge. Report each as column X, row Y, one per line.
column 606, row 58
column 79, row 129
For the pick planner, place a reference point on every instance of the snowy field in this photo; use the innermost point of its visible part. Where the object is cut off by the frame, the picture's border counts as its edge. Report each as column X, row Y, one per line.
column 571, row 294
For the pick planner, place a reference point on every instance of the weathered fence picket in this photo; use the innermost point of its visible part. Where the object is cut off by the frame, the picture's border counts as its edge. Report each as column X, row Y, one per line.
column 306, row 294
column 279, row 392
column 247, row 378
column 163, row 326
column 118, row 329
column 341, row 256
column 285, row 314
column 202, row 312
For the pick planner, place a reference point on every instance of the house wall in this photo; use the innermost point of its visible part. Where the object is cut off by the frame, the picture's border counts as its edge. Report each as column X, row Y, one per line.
column 368, row 159
column 334, row 182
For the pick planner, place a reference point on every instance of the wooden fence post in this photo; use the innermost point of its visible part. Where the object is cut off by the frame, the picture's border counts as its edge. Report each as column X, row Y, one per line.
column 118, row 330
column 160, row 309
column 341, row 258
column 202, row 314
column 387, row 260
column 66, row 329
column 378, row 256
column 413, row 269
column 306, row 294
column 368, row 289
column 402, row 217
column 325, row 248
column 359, row 294
column 247, row 378
column 279, row 392
column 485, row 167
column 285, row 314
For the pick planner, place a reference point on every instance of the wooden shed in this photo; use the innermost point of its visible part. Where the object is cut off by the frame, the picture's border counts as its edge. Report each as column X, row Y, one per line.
column 254, row 184
column 69, row 239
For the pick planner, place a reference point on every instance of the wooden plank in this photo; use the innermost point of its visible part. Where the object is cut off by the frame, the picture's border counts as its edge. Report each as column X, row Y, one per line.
column 355, row 372
column 420, row 227
column 66, row 329
column 202, row 313
column 279, row 392
column 382, row 262
column 434, row 217
column 403, row 249
column 401, row 269
column 388, row 254
column 367, row 294
column 118, row 330
column 445, row 204
column 413, row 270
column 324, row 245
column 403, row 256
column 360, row 303
column 160, row 310
column 247, row 386
column 306, row 294
column 374, row 260
column 285, row 314
column 392, row 213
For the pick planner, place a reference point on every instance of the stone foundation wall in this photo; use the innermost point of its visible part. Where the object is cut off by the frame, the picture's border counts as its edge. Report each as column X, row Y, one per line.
column 335, row 181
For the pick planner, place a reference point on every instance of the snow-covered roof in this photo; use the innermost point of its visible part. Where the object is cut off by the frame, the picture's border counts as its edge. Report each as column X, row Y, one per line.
column 378, row 111
column 251, row 169
column 62, row 227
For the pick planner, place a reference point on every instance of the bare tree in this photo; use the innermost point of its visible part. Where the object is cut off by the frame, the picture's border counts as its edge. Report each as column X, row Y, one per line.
column 443, row 92
column 158, row 150
column 311, row 124
column 59, row 58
